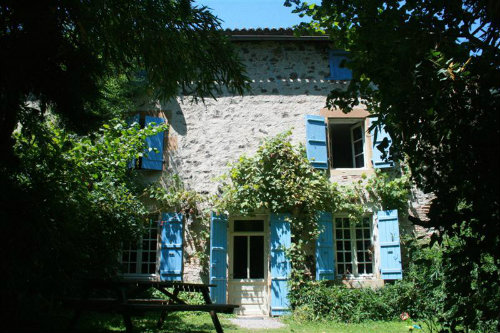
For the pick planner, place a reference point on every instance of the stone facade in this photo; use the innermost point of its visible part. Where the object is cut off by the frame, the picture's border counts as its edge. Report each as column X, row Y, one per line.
column 287, row 83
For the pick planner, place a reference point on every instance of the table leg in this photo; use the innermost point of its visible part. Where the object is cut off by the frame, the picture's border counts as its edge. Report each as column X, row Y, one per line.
column 164, row 313
column 216, row 322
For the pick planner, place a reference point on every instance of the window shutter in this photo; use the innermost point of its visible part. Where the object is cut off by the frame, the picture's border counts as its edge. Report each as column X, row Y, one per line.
column 154, row 160
column 134, row 119
column 218, row 255
column 316, row 146
column 280, row 264
column 171, row 247
column 338, row 71
column 378, row 136
column 325, row 262
column 390, row 249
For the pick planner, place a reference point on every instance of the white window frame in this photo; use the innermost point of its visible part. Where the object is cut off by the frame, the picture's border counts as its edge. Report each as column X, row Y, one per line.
column 354, row 122
column 139, row 251
column 354, row 260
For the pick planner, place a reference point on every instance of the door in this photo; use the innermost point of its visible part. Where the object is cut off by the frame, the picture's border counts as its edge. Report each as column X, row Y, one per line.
column 248, row 266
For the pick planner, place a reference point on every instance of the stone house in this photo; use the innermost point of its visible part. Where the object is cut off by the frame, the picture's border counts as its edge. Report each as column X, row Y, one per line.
column 290, row 80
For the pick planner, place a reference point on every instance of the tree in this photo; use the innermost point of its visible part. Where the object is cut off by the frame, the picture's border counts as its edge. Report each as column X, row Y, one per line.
column 430, row 70
column 59, row 54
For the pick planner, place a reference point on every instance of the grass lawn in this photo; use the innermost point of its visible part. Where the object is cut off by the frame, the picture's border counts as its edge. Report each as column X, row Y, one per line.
column 202, row 323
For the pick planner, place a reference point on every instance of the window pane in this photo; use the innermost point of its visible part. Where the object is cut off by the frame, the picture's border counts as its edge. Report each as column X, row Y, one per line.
column 340, row 256
column 360, row 161
column 341, row 268
column 347, row 245
column 257, row 257
column 145, row 256
column 347, row 234
column 361, row 256
column 152, row 245
column 338, row 234
column 348, row 257
column 361, row 269
column 359, row 245
column 357, row 133
column 340, row 246
column 366, row 233
column 338, row 223
column 359, row 233
column 240, row 257
column 152, row 268
column 249, row 225
column 133, row 256
column 366, row 222
column 348, row 269
column 358, row 147
column 369, row 268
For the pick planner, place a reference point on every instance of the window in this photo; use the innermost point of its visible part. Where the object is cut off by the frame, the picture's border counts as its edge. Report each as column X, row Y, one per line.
column 140, row 257
column 152, row 160
column 347, row 143
column 248, row 249
column 338, row 70
column 354, row 249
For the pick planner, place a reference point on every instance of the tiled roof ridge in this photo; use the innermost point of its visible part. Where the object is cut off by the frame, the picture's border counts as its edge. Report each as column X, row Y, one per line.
column 260, row 31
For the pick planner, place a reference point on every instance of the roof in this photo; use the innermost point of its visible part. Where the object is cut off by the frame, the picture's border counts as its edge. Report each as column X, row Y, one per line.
column 270, row 34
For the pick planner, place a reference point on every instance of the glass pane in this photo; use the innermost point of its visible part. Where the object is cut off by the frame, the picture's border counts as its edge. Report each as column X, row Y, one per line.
column 369, row 269
column 145, row 256
column 347, row 245
column 348, row 269
column 347, row 234
column 340, row 256
column 338, row 234
column 133, row 268
column 249, row 225
column 358, row 147
column 152, row 245
column 133, row 256
column 366, row 233
column 366, row 222
column 341, row 269
column 144, row 269
column 359, row 245
column 357, row 133
column 152, row 268
column 240, row 257
column 338, row 223
column 361, row 256
column 340, row 246
column 348, row 257
column 360, row 161
column 256, row 257
column 361, row 269
column 367, row 244
column 358, row 233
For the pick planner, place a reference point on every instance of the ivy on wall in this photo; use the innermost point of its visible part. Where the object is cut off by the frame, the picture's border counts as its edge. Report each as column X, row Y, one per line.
column 279, row 178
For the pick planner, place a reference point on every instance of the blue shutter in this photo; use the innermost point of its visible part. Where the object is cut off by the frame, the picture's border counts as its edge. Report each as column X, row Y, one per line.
column 134, row 119
column 325, row 262
column 218, row 258
column 390, row 249
column 316, row 146
column 154, row 160
column 171, row 247
column 338, row 71
column 280, row 264
column 378, row 135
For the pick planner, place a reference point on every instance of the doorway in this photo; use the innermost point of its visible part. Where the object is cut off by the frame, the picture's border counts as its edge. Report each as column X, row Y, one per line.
column 248, row 266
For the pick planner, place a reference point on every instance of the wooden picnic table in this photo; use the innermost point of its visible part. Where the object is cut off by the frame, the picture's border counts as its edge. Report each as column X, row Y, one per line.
column 126, row 302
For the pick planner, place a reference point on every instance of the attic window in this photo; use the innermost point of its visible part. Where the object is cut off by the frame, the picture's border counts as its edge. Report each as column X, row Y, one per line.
column 347, row 143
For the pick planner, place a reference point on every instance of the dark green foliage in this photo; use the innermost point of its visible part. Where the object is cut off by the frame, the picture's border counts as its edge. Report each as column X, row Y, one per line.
column 430, row 70
column 65, row 213
column 61, row 54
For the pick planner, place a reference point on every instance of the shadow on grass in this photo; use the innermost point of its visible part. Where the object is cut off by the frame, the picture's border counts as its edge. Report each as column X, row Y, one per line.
column 192, row 322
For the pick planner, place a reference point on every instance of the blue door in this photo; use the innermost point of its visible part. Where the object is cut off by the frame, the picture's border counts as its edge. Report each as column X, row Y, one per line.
column 218, row 258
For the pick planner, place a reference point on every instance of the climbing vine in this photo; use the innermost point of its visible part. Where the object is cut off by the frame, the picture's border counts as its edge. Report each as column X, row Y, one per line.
column 279, row 178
